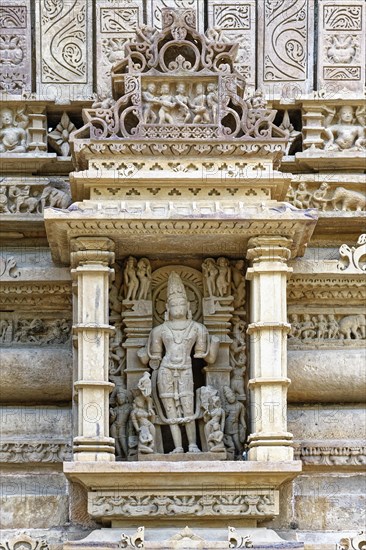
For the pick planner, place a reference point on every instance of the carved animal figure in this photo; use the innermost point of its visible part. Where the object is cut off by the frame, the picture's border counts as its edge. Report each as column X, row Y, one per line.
column 353, row 326
column 348, row 200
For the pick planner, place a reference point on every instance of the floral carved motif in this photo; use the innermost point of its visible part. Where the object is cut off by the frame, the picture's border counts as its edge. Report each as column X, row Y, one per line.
column 353, row 260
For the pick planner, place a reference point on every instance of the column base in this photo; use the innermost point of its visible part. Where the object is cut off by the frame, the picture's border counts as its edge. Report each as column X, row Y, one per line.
column 94, row 449
column 274, row 447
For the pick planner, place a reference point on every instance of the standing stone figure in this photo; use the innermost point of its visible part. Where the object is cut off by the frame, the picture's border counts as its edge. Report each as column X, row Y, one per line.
column 235, row 426
column 130, row 279
column 168, row 352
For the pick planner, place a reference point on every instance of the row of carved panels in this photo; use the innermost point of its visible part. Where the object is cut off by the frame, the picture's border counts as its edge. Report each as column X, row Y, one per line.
column 64, row 41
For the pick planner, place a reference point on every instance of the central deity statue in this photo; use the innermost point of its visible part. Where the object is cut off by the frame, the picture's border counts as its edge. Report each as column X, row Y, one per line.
column 168, row 353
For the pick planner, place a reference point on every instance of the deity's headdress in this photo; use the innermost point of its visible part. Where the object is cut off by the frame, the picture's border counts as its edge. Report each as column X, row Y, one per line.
column 176, row 290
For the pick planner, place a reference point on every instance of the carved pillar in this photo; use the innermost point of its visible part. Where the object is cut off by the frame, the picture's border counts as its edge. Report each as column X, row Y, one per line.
column 268, row 328
column 91, row 258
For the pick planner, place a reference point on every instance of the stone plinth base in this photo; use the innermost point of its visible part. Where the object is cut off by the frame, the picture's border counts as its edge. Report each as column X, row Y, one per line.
column 182, row 457
column 123, row 493
column 168, row 538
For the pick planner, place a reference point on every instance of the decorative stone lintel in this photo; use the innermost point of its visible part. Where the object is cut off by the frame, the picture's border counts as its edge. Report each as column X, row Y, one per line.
column 119, row 491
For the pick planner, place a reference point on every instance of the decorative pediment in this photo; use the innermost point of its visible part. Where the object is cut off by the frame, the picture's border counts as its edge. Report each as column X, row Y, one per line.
column 178, row 85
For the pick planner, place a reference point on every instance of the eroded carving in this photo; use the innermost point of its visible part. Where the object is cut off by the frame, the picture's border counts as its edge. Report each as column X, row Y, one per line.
column 320, row 327
column 13, row 135
column 8, row 267
column 327, row 199
column 33, row 198
column 235, row 425
column 345, row 129
column 35, row 451
column 24, row 542
column 352, row 543
column 34, row 331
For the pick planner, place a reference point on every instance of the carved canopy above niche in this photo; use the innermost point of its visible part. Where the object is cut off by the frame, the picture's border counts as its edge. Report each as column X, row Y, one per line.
column 178, row 85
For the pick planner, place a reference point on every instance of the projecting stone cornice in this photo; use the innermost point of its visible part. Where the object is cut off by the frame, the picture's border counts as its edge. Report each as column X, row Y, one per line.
column 166, row 227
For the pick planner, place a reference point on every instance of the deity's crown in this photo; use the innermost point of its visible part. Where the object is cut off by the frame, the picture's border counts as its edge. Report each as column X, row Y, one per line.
column 175, row 288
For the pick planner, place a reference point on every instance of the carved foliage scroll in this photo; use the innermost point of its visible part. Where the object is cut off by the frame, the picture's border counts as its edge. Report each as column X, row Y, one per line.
column 64, row 47
column 116, row 24
column 284, row 38
column 15, row 47
column 237, row 21
column 341, row 45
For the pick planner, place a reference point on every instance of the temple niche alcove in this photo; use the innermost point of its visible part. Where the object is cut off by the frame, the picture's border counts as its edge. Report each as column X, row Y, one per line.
column 179, row 366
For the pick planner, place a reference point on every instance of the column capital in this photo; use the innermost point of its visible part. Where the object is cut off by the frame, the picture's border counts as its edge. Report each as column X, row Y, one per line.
column 86, row 250
column 269, row 249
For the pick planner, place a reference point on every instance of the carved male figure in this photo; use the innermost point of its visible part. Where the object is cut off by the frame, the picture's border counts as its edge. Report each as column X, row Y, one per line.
column 167, row 103
column 199, row 106
column 130, row 279
column 13, row 138
column 119, row 416
column 169, row 354
column 149, row 102
column 182, row 101
column 344, row 134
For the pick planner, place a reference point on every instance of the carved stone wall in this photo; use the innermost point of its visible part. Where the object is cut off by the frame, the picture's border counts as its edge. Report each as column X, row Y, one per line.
column 273, row 146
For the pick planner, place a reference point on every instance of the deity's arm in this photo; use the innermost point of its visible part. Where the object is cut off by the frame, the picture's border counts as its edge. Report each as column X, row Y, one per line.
column 202, row 341
column 134, row 421
column 153, row 351
column 205, row 347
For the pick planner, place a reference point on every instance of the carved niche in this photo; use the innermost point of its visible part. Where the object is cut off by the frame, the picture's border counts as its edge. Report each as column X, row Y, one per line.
column 158, row 356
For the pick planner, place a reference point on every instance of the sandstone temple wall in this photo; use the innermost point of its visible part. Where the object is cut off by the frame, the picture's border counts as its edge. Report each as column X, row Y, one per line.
column 303, row 61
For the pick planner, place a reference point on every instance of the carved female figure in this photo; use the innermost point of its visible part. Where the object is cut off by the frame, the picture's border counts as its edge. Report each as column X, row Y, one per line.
column 215, row 422
column 238, row 284
column 224, row 278
column 130, row 279
column 235, row 426
column 141, row 420
column 210, row 272
column 143, row 273
column 119, row 416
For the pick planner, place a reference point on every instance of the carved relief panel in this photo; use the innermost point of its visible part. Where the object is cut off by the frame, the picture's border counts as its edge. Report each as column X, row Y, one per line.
column 64, row 49
column 237, row 21
column 116, row 24
column 285, row 51
column 341, row 46
column 15, row 47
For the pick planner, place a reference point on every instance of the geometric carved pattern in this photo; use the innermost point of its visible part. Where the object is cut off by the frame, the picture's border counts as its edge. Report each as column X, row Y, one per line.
column 116, row 24
column 15, row 47
column 237, row 20
column 341, row 46
column 285, row 47
column 64, row 47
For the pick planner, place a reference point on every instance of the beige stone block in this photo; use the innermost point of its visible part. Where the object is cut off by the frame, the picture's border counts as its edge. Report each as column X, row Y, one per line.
column 327, row 422
column 37, row 501
column 329, row 376
column 34, row 422
column 49, row 379
column 322, row 502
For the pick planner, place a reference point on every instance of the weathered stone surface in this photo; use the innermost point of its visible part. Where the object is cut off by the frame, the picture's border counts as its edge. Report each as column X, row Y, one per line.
column 328, row 376
column 35, row 422
column 322, row 502
column 336, row 421
column 49, row 380
column 33, row 501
